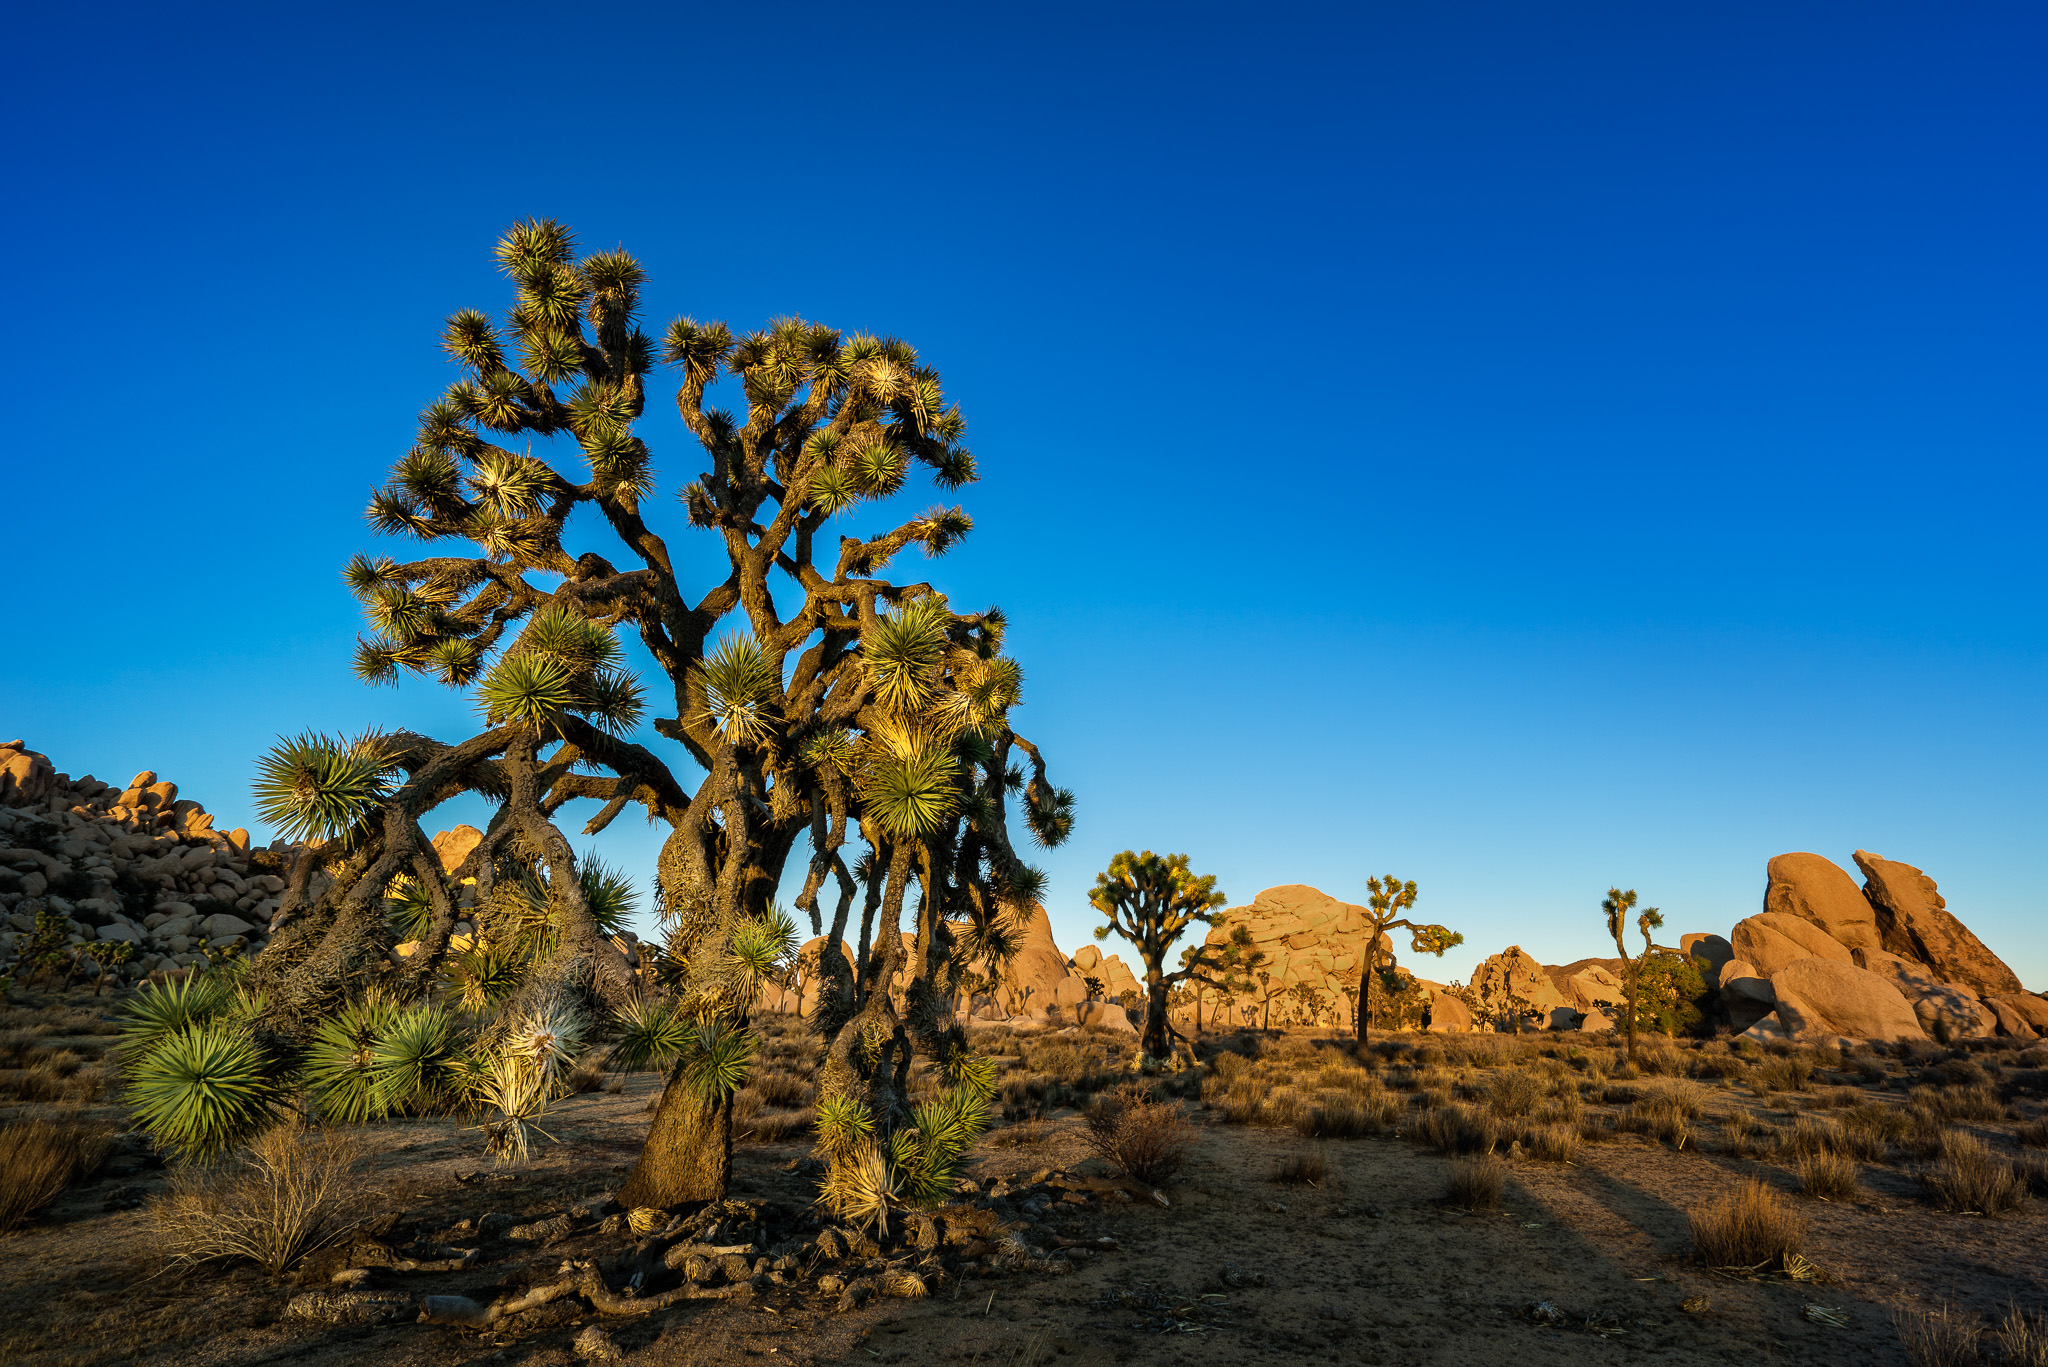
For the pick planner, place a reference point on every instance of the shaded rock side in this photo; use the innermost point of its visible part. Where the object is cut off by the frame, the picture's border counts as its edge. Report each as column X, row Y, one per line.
column 1773, row 939
column 1816, row 889
column 2027, row 1007
column 1819, row 999
column 1914, row 922
column 1931, row 999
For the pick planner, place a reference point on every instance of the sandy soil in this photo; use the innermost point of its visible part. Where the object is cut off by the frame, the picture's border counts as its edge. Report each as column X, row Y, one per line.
column 1370, row 1267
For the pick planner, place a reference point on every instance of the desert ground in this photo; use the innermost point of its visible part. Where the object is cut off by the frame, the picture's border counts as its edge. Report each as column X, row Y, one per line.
column 1323, row 1213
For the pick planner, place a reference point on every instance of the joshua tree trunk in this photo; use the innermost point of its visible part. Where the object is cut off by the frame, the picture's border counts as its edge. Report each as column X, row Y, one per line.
column 1155, row 1042
column 1372, row 963
column 688, row 1155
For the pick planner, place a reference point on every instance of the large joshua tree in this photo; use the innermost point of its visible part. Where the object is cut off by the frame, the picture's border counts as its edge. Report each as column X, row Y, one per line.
column 1151, row 901
column 839, row 705
column 1386, row 899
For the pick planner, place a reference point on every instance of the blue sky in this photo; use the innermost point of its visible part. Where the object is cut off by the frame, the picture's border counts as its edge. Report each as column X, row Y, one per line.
column 1521, row 448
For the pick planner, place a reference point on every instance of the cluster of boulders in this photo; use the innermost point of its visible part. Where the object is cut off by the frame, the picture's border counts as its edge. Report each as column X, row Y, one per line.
column 1038, row 983
column 132, row 863
column 1887, row 961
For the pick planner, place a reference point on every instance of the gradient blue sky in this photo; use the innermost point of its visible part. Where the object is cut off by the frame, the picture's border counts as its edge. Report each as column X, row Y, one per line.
column 1521, row 447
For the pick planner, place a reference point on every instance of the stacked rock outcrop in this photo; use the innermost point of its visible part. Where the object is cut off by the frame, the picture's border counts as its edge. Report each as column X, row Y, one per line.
column 134, row 862
column 1826, row 960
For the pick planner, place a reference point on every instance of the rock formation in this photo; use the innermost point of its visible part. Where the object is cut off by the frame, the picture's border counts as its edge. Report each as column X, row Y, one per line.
column 1511, row 985
column 1776, row 938
column 1819, row 1000
column 1816, row 889
column 135, row 863
column 1914, row 922
column 1957, row 1008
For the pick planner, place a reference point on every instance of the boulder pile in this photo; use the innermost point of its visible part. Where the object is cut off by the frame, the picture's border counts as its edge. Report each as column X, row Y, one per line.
column 1040, row 982
column 1826, row 960
column 133, row 862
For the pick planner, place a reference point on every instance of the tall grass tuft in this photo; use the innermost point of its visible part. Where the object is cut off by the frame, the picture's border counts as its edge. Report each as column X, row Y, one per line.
column 1969, row 1179
column 1750, row 1229
column 39, row 1159
column 1939, row 1338
column 1826, row 1176
column 1475, row 1183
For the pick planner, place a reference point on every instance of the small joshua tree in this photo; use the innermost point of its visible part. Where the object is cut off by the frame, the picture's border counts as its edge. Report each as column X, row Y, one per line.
column 1617, row 905
column 1388, row 898
column 1151, row 901
column 1227, row 966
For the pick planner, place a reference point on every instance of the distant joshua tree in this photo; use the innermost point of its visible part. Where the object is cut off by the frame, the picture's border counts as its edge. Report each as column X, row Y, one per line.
column 1151, row 901
column 1388, row 898
column 1617, row 905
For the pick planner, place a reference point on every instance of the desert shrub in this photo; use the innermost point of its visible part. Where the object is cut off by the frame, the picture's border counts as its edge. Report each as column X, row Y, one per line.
column 1939, row 1338
column 39, row 1159
column 1782, row 1073
column 1837, row 1097
column 1512, row 1092
column 1475, row 1183
column 1147, row 1140
column 1302, row 1168
column 1458, row 1129
column 1751, row 1228
column 1433, row 1098
column 1597, row 1127
column 1401, row 1079
column 2033, row 1173
column 1826, row 1176
column 1958, row 1072
column 1969, row 1178
column 1557, row 1142
column 1952, row 1104
column 289, row 1195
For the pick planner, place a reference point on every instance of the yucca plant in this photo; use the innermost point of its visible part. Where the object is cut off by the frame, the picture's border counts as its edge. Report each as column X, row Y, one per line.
column 339, row 1071
column 161, row 1009
column 416, row 1060
column 202, row 1089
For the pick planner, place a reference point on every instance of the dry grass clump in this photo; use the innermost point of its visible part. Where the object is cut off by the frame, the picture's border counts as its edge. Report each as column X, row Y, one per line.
column 776, row 1127
column 291, row 1194
column 1837, row 1097
column 1244, row 1102
column 1938, row 1338
column 1457, row 1129
column 1554, row 1143
column 39, row 1159
column 1670, row 1114
column 1512, row 1092
column 1304, row 1168
column 1147, row 1140
column 2022, row 1338
column 1970, row 1179
column 1022, row 1135
column 1751, row 1229
column 780, row 1087
column 1718, row 1064
column 1784, row 1073
column 1954, row 1104
column 1342, row 1115
column 1826, row 1176
column 2033, row 1134
column 1744, row 1136
column 2033, row 1173
column 1475, row 1184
